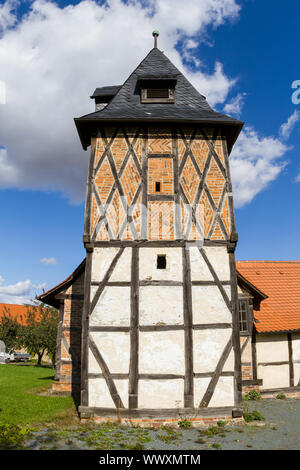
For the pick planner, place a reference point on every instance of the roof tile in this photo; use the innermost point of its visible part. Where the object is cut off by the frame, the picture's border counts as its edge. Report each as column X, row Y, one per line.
column 281, row 310
column 17, row 312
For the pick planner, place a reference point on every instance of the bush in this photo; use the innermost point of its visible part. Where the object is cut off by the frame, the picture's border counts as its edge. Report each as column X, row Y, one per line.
column 221, row 424
column 213, row 431
column 216, row 446
column 12, row 436
column 252, row 395
column 184, row 424
column 254, row 415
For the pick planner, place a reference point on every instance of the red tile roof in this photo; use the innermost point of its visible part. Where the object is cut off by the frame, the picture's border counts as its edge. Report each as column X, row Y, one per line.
column 280, row 281
column 16, row 311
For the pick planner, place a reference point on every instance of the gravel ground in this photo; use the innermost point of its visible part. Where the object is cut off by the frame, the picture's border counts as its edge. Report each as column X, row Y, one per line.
column 279, row 431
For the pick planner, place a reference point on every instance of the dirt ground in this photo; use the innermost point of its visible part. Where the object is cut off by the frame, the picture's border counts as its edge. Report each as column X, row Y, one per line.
column 279, row 431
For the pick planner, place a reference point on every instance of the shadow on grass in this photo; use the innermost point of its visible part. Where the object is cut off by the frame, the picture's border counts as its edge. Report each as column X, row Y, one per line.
column 30, row 364
column 76, row 400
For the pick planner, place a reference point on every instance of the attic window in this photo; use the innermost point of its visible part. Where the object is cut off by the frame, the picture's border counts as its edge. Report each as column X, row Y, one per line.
column 159, row 91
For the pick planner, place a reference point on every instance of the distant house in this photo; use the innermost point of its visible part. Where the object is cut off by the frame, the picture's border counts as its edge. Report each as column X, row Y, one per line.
column 271, row 346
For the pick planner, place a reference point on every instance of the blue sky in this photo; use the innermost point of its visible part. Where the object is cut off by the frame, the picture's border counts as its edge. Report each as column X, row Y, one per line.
column 243, row 55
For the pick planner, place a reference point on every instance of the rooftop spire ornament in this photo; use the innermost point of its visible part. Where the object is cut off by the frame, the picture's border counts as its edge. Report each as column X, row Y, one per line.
column 155, row 34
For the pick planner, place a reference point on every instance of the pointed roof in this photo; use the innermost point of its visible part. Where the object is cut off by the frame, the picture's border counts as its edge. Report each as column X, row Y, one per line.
column 126, row 106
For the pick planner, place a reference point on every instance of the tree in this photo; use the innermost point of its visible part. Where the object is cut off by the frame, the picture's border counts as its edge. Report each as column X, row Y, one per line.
column 50, row 324
column 40, row 331
column 11, row 331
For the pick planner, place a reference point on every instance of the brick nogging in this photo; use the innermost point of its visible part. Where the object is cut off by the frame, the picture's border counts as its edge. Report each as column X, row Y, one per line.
column 68, row 368
column 112, row 149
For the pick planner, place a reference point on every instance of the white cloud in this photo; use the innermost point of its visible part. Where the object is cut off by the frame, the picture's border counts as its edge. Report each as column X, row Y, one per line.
column 188, row 52
column 9, row 172
column 7, row 14
column 215, row 87
column 55, row 57
column 20, row 288
column 19, row 293
column 287, row 127
column 235, row 105
column 48, row 260
column 254, row 164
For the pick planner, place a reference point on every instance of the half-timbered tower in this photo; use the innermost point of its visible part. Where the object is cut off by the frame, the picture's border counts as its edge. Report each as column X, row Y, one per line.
column 160, row 328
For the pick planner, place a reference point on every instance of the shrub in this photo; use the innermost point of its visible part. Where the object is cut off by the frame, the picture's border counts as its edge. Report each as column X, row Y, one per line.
column 12, row 436
column 252, row 395
column 212, row 431
column 280, row 396
column 221, row 424
column 216, row 446
column 254, row 415
column 184, row 424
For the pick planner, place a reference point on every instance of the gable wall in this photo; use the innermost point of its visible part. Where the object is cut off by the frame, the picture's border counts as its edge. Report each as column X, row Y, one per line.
column 68, row 360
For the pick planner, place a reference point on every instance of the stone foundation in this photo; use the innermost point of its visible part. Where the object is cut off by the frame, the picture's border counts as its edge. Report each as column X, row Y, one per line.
column 173, row 422
column 288, row 393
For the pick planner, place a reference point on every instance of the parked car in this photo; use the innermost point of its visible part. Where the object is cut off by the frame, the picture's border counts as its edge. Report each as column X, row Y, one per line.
column 19, row 357
column 5, row 357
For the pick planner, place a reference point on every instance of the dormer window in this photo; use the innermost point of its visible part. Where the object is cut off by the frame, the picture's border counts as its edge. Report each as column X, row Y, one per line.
column 157, row 95
column 104, row 95
column 157, row 91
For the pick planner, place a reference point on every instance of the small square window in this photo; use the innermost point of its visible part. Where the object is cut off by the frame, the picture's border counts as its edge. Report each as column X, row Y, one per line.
column 157, row 187
column 161, row 262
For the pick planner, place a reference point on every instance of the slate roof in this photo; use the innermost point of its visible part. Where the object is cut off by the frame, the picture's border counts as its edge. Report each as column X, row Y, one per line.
column 106, row 91
column 49, row 296
column 280, row 281
column 190, row 105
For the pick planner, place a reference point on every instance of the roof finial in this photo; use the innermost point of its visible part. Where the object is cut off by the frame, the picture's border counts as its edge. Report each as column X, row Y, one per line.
column 155, row 34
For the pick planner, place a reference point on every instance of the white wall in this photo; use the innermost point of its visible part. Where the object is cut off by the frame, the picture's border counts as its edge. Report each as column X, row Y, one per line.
column 272, row 348
column 161, row 352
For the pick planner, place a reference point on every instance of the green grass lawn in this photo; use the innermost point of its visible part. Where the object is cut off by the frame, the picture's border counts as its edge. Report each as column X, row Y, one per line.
column 20, row 399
